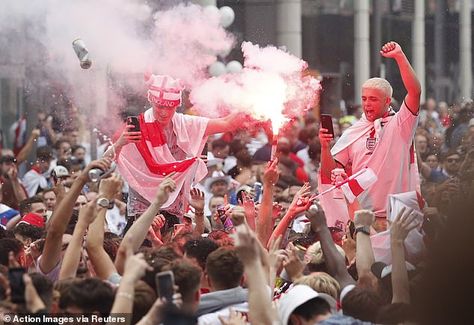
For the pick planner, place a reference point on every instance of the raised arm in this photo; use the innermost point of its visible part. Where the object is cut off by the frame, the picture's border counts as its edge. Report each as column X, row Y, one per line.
column 334, row 260
column 135, row 268
column 103, row 265
column 126, row 137
column 18, row 190
column 61, row 215
column 259, row 298
column 264, row 219
column 399, row 230
column 138, row 231
column 301, row 202
column 231, row 122
column 72, row 256
column 327, row 161
column 363, row 220
column 410, row 81
column 28, row 147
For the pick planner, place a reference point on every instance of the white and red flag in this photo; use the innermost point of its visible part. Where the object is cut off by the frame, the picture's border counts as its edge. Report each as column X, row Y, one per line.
column 357, row 183
column 145, row 164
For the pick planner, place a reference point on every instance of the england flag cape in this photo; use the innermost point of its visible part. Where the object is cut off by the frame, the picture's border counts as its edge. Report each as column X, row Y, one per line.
column 337, row 210
column 144, row 165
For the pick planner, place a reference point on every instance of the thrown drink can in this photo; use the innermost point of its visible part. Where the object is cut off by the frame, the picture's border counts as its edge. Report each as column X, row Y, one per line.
column 82, row 53
column 96, row 174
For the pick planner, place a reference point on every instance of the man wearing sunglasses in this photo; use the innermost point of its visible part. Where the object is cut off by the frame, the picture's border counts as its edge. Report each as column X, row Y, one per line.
column 451, row 166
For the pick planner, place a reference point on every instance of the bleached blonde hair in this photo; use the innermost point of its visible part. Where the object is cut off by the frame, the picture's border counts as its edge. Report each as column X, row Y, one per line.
column 381, row 84
column 320, row 282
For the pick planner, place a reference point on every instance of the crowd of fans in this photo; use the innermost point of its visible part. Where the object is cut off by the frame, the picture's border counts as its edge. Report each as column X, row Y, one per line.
column 252, row 246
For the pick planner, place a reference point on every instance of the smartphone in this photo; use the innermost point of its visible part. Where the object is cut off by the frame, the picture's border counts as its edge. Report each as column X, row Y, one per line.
column 17, row 285
column 165, row 285
column 257, row 187
column 326, row 123
column 133, row 120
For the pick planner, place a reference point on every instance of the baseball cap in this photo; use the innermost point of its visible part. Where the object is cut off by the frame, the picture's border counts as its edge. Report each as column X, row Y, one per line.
column 33, row 219
column 60, row 171
column 298, row 295
column 381, row 270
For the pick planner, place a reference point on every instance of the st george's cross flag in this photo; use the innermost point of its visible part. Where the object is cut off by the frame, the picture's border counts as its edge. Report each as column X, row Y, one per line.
column 357, row 183
column 144, row 165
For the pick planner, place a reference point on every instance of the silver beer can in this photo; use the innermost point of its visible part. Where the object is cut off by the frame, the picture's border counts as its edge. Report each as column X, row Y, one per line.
column 82, row 53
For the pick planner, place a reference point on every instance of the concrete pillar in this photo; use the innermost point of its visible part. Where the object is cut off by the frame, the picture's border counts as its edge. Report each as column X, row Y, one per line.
column 288, row 26
column 376, row 26
column 205, row 3
column 439, row 48
column 465, row 51
column 418, row 45
column 361, row 47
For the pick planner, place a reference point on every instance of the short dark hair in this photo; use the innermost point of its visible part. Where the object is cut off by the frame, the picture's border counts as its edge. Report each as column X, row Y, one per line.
column 90, row 295
column 111, row 246
column 187, row 277
column 28, row 231
column 44, row 153
column 44, row 287
column 200, row 249
column 362, row 304
column 224, row 268
column 158, row 259
column 8, row 245
column 76, row 147
column 25, row 205
column 312, row 308
column 142, row 301
column 221, row 238
column 219, row 143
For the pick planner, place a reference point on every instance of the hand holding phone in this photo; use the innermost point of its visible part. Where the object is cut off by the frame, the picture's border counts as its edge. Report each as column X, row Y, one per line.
column 326, row 123
column 165, row 285
column 133, row 120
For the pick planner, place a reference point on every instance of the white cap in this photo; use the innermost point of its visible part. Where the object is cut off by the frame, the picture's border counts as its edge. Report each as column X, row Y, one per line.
column 295, row 297
column 60, row 171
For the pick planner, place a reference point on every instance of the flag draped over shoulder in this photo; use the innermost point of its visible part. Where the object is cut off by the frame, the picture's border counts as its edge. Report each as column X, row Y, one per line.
column 144, row 165
column 336, row 209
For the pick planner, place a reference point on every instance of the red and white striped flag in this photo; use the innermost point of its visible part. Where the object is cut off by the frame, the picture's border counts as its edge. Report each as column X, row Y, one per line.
column 357, row 183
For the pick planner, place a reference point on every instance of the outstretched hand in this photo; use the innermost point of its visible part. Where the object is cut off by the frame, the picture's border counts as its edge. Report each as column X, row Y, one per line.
column 391, row 50
column 302, row 200
column 403, row 224
column 197, row 199
column 271, row 174
column 166, row 187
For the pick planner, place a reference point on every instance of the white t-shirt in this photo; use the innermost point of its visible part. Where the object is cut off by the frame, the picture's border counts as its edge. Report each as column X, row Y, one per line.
column 393, row 165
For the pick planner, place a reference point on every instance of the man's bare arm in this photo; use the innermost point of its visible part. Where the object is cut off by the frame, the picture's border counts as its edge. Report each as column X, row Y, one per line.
column 410, row 81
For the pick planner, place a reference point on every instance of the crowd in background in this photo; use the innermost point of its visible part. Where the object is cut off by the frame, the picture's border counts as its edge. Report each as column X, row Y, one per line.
column 238, row 254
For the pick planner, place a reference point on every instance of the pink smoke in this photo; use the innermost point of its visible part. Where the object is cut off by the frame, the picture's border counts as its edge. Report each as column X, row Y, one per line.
column 270, row 86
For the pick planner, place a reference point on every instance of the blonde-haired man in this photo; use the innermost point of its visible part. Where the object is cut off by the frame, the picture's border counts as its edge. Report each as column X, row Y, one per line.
column 381, row 139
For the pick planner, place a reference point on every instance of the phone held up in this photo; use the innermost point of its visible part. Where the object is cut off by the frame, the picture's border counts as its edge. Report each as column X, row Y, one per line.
column 165, row 285
column 326, row 123
column 133, row 120
column 17, row 285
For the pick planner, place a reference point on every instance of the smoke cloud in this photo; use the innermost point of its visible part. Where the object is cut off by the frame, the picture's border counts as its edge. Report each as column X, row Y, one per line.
column 271, row 86
column 125, row 38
